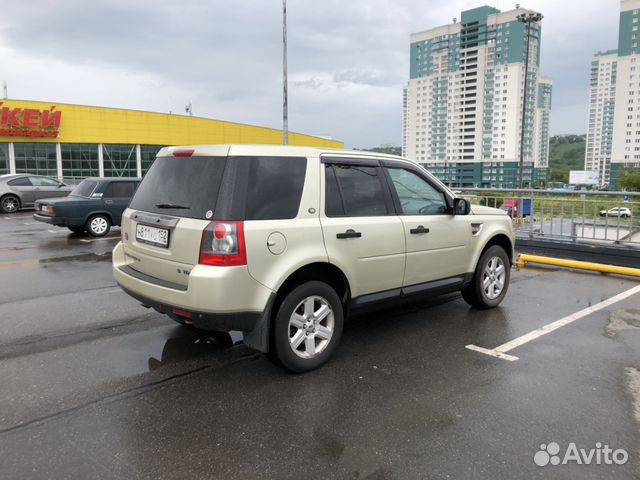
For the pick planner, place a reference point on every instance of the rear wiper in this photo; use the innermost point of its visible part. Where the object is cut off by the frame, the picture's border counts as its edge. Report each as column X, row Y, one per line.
column 171, row 205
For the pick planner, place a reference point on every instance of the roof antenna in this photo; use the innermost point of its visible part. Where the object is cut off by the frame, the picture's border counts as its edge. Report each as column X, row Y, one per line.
column 188, row 108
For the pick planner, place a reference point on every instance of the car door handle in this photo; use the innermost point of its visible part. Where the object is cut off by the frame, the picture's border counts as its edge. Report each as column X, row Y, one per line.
column 108, row 202
column 419, row 229
column 349, row 234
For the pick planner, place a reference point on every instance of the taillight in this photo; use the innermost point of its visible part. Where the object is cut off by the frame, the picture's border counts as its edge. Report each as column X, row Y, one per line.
column 223, row 244
column 49, row 209
column 36, row 206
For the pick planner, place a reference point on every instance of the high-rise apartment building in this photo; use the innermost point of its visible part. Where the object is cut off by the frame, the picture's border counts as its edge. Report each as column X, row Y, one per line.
column 613, row 132
column 464, row 101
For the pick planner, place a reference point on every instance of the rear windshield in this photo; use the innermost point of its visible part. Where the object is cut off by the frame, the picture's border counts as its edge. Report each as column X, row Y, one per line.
column 84, row 189
column 181, row 186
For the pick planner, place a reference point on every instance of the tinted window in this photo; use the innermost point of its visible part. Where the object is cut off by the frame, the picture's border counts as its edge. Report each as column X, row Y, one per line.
column 120, row 190
column 181, row 186
column 274, row 187
column 361, row 190
column 84, row 188
column 332, row 198
column 20, row 182
column 43, row 182
column 416, row 195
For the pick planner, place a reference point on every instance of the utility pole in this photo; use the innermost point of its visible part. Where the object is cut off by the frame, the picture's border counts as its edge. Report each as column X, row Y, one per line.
column 528, row 19
column 4, row 90
column 285, row 102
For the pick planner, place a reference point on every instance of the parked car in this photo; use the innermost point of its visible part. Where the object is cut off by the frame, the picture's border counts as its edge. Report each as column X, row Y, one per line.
column 616, row 212
column 95, row 205
column 23, row 190
column 282, row 243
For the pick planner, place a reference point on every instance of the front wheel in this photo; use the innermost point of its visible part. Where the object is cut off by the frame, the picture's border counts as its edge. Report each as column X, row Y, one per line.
column 308, row 327
column 98, row 225
column 490, row 280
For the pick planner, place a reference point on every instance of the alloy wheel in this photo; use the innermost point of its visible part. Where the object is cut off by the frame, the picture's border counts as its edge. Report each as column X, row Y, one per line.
column 9, row 204
column 311, row 327
column 494, row 277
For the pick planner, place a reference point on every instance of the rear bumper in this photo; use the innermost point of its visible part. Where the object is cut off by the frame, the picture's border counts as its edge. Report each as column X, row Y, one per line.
column 222, row 322
column 214, row 298
column 62, row 222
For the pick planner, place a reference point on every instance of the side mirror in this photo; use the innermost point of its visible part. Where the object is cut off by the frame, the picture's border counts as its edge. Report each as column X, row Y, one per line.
column 461, row 206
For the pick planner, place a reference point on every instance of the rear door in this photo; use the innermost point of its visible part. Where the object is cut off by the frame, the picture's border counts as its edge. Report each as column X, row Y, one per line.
column 46, row 188
column 437, row 240
column 24, row 188
column 362, row 234
column 278, row 199
column 116, row 198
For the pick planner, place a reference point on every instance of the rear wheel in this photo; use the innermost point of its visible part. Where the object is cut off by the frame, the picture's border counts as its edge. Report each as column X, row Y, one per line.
column 490, row 280
column 10, row 204
column 308, row 326
column 76, row 229
column 98, row 225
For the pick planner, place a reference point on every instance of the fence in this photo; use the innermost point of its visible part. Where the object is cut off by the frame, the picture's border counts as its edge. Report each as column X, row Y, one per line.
column 584, row 216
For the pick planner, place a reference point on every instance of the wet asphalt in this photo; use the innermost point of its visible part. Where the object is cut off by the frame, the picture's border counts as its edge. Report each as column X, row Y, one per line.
column 92, row 385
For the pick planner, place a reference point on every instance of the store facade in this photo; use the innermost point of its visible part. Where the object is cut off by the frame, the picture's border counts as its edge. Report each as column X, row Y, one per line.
column 75, row 141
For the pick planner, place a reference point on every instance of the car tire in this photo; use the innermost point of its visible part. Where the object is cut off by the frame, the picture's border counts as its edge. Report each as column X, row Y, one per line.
column 307, row 327
column 98, row 225
column 9, row 204
column 490, row 280
column 624, row 215
column 76, row 229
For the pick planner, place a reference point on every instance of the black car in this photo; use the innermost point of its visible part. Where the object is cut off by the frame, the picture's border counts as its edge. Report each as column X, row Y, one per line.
column 95, row 205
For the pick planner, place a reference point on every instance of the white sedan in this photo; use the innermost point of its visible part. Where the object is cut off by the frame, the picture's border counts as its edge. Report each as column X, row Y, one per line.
column 616, row 212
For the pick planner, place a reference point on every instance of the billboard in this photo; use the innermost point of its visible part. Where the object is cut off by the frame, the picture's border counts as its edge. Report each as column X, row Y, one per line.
column 583, row 177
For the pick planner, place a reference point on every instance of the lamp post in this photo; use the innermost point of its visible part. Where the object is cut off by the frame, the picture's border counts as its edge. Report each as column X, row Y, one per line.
column 527, row 18
column 285, row 103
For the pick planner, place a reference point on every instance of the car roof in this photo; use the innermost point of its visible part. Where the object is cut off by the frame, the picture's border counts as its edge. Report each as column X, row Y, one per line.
column 17, row 175
column 276, row 150
column 114, row 179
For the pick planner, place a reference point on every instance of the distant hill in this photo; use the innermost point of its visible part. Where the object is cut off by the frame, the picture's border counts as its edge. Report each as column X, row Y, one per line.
column 566, row 152
column 388, row 149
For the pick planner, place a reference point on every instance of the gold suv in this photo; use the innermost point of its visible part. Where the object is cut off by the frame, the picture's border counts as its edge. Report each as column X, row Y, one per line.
column 282, row 242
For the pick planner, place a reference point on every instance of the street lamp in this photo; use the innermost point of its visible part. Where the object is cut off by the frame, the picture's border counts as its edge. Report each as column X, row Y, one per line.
column 285, row 100
column 528, row 18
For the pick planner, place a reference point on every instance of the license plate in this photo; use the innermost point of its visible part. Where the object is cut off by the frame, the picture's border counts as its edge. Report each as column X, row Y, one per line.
column 152, row 235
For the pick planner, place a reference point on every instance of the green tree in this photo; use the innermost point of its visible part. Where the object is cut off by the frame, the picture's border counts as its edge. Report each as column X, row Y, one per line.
column 629, row 181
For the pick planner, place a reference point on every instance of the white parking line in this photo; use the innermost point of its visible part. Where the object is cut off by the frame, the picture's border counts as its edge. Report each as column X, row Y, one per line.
column 500, row 352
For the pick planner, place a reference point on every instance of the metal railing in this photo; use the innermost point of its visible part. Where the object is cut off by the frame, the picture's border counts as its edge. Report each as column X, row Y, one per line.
column 576, row 216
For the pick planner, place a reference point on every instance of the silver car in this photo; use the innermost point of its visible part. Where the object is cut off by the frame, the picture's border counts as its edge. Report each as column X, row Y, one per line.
column 23, row 190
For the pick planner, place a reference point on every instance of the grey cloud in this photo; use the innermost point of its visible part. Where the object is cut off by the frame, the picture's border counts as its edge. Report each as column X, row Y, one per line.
column 226, row 55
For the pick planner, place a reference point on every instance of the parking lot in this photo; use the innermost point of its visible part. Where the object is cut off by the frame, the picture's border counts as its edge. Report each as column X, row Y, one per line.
column 93, row 385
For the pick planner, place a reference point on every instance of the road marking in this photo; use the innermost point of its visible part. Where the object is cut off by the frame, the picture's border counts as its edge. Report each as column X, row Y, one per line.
column 29, row 223
column 501, row 350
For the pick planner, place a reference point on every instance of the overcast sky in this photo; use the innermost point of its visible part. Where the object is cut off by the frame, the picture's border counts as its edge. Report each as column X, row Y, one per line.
column 348, row 59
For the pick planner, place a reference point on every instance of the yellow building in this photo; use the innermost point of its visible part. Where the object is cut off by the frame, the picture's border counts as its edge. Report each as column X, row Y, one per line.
column 77, row 141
